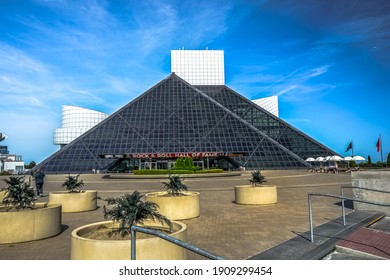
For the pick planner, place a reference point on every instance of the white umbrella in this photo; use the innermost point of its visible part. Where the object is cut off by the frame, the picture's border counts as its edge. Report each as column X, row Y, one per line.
column 327, row 158
column 358, row 158
column 348, row 158
column 320, row 159
column 335, row 158
column 310, row 160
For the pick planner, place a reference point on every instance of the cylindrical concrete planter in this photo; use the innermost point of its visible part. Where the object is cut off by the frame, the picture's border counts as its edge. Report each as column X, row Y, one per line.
column 248, row 194
column 176, row 207
column 75, row 202
column 30, row 224
column 153, row 248
column 2, row 195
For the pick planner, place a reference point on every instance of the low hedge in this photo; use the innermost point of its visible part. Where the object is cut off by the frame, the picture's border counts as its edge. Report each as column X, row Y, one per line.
column 166, row 171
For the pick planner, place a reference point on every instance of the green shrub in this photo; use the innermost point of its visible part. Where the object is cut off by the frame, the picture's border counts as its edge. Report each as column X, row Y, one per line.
column 209, row 171
column 185, row 163
column 161, row 172
column 166, row 171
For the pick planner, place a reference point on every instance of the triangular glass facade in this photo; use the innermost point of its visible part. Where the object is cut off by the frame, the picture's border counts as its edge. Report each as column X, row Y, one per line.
column 175, row 117
column 294, row 140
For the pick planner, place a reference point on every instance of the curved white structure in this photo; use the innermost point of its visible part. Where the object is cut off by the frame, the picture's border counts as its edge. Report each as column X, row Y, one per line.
column 76, row 121
column 269, row 103
column 3, row 136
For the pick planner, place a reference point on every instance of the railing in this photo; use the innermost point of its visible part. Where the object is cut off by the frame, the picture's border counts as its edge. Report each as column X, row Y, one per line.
column 343, row 198
column 169, row 238
column 349, row 187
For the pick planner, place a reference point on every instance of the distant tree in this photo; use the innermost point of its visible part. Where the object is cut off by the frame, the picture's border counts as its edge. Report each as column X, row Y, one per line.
column 32, row 164
column 388, row 160
column 369, row 163
column 379, row 164
column 185, row 163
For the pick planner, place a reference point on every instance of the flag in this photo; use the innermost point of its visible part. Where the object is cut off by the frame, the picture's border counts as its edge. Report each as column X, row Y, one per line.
column 378, row 144
column 349, row 147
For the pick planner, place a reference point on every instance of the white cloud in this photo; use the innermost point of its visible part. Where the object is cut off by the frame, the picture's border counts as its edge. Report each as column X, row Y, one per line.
column 286, row 89
column 12, row 59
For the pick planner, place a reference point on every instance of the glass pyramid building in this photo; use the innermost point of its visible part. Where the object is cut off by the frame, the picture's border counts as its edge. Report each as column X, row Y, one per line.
column 174, row 119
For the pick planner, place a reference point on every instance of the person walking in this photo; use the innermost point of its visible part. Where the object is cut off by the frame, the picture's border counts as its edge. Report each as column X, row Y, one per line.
column 38, row 177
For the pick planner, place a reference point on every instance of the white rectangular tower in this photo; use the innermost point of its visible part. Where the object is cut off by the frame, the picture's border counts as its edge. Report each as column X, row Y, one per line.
column 200, row 67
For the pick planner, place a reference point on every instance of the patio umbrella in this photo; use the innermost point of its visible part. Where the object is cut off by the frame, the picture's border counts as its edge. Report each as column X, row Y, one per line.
column 327, row 158
column 348, row 159
column 310, row 160
column 358, row 158
column 335, row 158
column 320, row 160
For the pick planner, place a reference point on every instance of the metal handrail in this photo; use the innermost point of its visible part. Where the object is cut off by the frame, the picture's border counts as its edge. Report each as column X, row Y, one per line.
column 343, row 211
column 352, row 187
column 171, row 239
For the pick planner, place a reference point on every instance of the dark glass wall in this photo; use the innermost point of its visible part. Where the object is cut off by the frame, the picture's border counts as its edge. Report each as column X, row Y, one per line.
column 174, row 116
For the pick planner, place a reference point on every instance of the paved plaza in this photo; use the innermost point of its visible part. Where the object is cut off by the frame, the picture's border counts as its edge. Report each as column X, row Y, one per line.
column 235, row 232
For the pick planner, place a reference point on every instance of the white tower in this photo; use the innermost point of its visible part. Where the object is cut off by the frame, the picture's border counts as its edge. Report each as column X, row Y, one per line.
column 199, row 67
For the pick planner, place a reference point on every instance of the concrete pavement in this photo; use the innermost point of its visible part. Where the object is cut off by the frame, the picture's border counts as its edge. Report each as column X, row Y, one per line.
column 233, row 231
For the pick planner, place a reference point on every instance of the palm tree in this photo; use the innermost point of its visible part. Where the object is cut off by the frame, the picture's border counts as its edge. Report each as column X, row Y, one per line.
column 257, row 178
column 175, row 186
column 72, row 184
column 20, row 195
column 129, row 210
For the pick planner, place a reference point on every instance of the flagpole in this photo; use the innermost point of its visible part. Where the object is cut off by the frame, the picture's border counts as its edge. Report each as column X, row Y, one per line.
column 352, row 149
column 380, row 137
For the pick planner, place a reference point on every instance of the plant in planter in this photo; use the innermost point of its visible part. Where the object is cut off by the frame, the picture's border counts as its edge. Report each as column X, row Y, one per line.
column 112, row 239
column 72, row 184
column 177, row 203
column 19, row 194
column 74, row 199
column 22, row 219
column 257, row 192
column 129, row 210
column 175, row 186
column 257, row 178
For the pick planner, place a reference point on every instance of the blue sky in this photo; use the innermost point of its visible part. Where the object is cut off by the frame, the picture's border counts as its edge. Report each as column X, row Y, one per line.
column 328, row 61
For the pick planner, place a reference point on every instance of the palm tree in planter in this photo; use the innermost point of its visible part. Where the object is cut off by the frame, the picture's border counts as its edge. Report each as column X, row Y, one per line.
column 176, row 202
column 129, row 210
column 74, row 199
column 257, row 192
column 112, row 239
column 175, row 186
column 19, row 195
column 22, row 219
column 257, row 178
column 72, row 184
